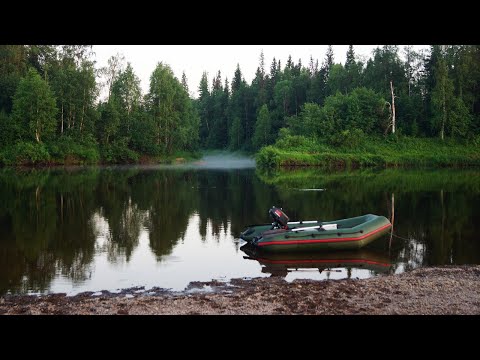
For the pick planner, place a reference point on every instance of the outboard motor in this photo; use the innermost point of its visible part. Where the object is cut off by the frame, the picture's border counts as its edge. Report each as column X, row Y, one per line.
column 280, row 219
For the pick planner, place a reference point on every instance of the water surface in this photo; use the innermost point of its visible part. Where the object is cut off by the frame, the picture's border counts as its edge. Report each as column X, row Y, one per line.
column 94, row 228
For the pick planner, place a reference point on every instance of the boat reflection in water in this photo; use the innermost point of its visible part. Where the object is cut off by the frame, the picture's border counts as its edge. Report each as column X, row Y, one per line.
column 280, row 264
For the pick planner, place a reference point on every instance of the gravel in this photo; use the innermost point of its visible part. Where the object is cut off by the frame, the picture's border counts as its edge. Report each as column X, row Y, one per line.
column 424, row 291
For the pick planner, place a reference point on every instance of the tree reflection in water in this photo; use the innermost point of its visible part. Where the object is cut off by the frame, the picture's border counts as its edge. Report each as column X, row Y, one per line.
column 53, row 222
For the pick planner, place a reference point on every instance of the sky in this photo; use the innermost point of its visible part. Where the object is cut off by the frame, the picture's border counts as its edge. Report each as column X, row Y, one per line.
column 195, row 59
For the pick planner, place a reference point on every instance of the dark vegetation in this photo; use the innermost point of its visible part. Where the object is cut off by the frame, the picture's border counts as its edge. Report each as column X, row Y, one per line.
column 399, row 107
column 50, row 113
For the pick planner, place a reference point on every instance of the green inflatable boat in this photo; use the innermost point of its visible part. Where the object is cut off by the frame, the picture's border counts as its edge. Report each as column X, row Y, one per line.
column 282, row 235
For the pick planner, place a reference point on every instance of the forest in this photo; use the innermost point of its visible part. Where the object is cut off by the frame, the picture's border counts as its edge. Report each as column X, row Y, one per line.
column 51, row 111
column 398, row 106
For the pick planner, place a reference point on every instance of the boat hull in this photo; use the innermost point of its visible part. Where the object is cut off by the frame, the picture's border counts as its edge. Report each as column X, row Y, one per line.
column 351, row 233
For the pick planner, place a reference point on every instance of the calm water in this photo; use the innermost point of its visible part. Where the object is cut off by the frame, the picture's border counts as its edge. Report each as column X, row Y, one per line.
column 89, row 229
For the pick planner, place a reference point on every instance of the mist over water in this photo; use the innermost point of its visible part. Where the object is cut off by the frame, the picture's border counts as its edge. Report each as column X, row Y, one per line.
column 222, row 161
column 210, row 161
column 217, row 160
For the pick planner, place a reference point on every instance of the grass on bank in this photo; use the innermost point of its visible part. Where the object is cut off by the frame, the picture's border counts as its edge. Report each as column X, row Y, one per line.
column 366, row 152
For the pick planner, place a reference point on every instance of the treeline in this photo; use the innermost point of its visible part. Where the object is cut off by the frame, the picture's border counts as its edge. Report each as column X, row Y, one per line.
column 433, row 93
column 50, row 113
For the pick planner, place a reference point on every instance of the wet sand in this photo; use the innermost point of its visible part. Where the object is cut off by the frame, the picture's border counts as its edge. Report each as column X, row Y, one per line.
column 425, row 291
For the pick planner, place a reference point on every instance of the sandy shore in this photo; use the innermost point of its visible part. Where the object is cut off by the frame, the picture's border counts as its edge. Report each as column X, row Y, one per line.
column 437, row 290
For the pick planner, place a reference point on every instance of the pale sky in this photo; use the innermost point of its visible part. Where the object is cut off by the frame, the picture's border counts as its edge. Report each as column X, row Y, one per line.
column 195, row 59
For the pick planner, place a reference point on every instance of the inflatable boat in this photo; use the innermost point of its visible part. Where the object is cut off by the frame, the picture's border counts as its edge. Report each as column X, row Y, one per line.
column 283, row 235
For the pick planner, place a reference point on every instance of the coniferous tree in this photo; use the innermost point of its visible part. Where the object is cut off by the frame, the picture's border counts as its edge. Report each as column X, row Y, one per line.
column 204, row 108
column 236, row 134
column 329, row 59
column 185, row 82
column 312, row 67
column 350, row 61
column 13, row 67
column 436, row 94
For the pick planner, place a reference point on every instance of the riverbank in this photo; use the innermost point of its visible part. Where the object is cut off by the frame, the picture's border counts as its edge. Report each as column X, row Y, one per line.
column 424, row 291
column 69, row 152
column 371, row 152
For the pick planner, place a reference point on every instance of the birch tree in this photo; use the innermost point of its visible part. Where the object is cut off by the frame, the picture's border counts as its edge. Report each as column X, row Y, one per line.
column 34, row 107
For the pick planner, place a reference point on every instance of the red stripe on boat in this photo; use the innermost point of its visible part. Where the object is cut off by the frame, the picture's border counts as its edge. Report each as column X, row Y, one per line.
column 313, row 241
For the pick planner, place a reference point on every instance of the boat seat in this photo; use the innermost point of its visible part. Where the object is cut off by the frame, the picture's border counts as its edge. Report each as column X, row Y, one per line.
column 329, row 227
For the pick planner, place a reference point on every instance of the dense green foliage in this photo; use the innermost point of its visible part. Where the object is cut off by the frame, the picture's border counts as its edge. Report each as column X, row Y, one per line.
column 336, row 107
column 49, row 98
column 371, row 151
column 34, row 108
column 50, row 112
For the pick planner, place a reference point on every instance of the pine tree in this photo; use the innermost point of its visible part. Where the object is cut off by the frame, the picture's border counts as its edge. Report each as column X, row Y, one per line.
column 289, row 63
column 329, row 58
column 204, row 108
column 312, row 69
column 217, row 82
column 273, row 70
column 226, row 88
column 350, row 61
column 237, row 79
column 262, row 64
column 259, row 84
column 185, row 82
column 13, row 66
column 236, row 134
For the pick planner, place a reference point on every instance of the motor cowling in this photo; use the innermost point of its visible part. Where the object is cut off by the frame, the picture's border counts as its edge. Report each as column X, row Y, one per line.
column 278, row 216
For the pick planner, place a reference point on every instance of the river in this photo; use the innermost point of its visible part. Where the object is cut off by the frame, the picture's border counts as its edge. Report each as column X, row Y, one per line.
column 106, row 228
